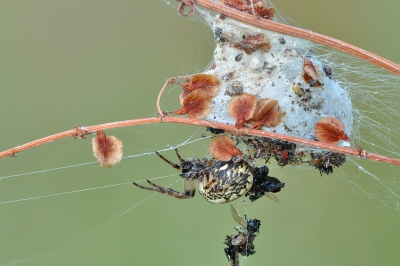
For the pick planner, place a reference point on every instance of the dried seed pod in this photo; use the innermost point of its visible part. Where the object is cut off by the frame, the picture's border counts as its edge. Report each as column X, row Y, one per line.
column 310, row 74
column 108, row 150
column 262, row 11
column 268, row 113
column 330, row 130
column 237, row 4
column 207, row 82
column 222, row 148
column 242, row 108
column 196, row 105
column 253, row 43
column 246, row 6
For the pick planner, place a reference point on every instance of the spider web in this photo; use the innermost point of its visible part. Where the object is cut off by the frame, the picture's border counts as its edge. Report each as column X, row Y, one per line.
column 81, row 214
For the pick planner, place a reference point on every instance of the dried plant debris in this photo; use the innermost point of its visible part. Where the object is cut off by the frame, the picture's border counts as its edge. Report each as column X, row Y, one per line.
column 268, row 113
column 304, row 99
column 107, row 150
column 310, row 74
column 196, row 105
column 257, row 7
column 242, row 108
column 325, row 161
column 223, row 149
column 263, row 184
column 241, row 242
column 252, row 43
column 206, row 82
column 330, row 130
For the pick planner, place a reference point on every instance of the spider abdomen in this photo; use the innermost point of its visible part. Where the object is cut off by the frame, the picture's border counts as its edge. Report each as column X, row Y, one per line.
column 226, row 181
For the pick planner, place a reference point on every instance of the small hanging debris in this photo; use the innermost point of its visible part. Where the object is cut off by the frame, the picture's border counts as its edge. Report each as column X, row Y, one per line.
column 108, row 150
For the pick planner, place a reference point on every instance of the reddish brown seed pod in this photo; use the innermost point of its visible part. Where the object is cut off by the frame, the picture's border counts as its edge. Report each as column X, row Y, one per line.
column 330, row 130
column 242, row 108
column 237, row 4
column 253, row 43
column 258, row 6
column 310, row 75
column 196, row 105
column 268, row 113
column 107, row 150
column 223, row 149
column 262, row 11
column 207, row 82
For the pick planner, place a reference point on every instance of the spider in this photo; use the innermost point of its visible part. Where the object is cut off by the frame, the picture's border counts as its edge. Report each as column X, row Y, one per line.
column 218, row 182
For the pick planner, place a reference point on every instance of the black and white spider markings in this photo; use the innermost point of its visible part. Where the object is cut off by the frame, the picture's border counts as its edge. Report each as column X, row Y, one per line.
column 219, row 182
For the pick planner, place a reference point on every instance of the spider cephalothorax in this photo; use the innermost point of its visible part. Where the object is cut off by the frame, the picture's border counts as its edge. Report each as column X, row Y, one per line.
column 218, row 182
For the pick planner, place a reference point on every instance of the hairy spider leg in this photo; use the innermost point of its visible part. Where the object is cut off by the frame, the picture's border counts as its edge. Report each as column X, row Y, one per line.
column 174, row 165
column 165, row 191
column 180, row 158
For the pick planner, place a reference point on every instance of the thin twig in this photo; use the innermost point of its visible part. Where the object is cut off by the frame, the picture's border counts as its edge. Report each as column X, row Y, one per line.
column 302, row 33
column 204, row 123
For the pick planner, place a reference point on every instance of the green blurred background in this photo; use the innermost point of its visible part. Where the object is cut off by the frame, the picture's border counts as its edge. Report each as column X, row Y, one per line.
column 66, row 63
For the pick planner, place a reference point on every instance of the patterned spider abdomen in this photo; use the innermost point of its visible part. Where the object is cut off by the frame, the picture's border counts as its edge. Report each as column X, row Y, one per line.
column 226, row 181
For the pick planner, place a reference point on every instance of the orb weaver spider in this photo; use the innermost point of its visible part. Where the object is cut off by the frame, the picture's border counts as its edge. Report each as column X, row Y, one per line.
column 218, row 182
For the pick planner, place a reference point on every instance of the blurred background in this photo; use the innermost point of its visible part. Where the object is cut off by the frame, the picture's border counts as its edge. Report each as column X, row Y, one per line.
column 66, row 63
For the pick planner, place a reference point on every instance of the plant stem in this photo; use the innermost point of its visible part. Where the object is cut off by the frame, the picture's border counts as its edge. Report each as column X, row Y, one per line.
column 197, row 122
column 302, row 33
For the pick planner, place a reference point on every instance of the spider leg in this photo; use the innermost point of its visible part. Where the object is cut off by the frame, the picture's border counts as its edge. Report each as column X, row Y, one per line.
column 174, row 165
column 180, row 158
column 164, row 190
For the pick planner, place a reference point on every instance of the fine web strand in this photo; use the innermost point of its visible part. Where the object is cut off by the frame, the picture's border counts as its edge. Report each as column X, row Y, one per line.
column 376, row 108
column 191, row 140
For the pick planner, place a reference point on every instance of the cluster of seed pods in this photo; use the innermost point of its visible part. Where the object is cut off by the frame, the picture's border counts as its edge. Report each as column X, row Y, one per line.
column 268, row 81
column 262, row 80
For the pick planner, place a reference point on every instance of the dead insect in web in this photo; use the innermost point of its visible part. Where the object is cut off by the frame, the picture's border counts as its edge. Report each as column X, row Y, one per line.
column 328, row 71
column 108, row 150
column 241, row 242
column 239, row 57
column 263, row 184
column 310, row 75
column 330, row 130
column 206, row 82
column 234, row 88
column 253, row 43
column 218, row 182
column 325, row 161
column 196, row 105
column 281, row 40
column 242, row 108
column 228, row 76
column 223, row 149
column 81, row 132
column 219, row 35
column 215, row 130
column 361, row 152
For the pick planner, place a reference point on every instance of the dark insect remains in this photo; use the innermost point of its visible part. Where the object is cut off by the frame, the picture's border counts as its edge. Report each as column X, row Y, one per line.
column 241, row 242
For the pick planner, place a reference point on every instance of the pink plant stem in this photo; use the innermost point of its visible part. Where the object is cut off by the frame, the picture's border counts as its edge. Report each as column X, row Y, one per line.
column 302, row 33
column 197, row 122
